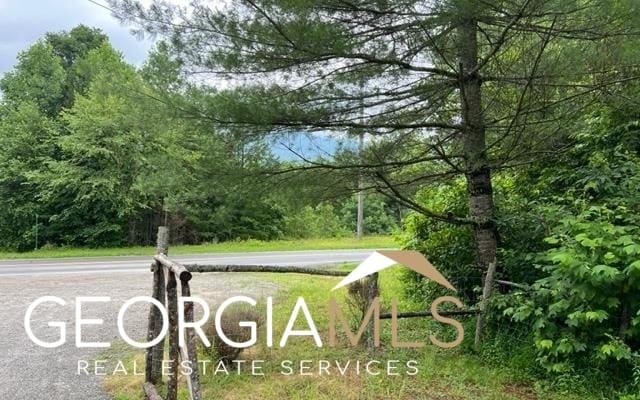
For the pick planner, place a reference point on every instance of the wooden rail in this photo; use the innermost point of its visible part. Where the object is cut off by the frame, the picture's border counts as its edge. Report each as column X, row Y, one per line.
column 168, row 275
column 413, row 314
column 264, row 268
column 178, row 270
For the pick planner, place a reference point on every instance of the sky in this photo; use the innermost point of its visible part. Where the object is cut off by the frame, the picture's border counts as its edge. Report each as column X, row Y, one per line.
column 22, row 22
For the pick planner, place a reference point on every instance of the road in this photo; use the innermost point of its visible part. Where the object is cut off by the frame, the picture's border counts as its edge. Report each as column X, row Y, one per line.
column 141, row 263
column 30, row 372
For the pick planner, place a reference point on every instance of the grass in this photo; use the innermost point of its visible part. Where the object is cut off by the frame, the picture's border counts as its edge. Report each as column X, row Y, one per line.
column 373, row 242
column 443, row 374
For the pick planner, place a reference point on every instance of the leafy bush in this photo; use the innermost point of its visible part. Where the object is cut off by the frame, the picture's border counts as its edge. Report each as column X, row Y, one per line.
column 230, row 325
column 584, row 309
column 448, row 247
column 314, row 222
column 586, row 304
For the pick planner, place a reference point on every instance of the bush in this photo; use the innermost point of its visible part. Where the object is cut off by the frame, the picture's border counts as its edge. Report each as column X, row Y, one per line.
column 585, row 306
column 314, row 222
column 448, row 247
column 360, row 292
column 230, row 326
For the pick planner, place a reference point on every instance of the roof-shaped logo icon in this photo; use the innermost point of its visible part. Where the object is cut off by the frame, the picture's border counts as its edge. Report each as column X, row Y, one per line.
column 383, row 259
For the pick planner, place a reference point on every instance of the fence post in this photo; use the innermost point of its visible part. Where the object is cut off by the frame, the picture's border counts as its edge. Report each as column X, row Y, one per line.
column 486, row 294
column 192, row 350
column 174, row 346
column 372, row 293
column 155, row 354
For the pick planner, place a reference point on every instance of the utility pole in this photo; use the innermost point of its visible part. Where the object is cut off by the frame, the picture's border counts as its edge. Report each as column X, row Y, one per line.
column 36, row 231
column 360, row 220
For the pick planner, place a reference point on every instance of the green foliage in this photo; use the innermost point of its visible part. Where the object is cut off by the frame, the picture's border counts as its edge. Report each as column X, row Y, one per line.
column 310, row 222
column 67, row 165
column 524, row 219
column 100, row 152
column 380, row 216
column 26, row 138
column 38, row 79
column 585, row 310
column 73, row 48
column 102, row 156
column 586, row 306
column 234, row 217
column 75, row 44
column 448, row 247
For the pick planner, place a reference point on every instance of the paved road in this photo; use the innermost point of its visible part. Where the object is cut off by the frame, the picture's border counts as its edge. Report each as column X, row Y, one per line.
column 141, row 263
column 30, row 372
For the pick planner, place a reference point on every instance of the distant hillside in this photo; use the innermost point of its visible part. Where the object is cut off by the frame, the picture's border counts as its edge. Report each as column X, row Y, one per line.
column 295, row 145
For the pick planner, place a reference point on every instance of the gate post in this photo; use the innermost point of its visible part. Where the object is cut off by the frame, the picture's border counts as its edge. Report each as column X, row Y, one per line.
column 155, row 354
column 191, row 344
column 372, row 291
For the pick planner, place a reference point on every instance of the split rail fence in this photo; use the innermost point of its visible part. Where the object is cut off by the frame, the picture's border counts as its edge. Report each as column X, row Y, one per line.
column 171, row 280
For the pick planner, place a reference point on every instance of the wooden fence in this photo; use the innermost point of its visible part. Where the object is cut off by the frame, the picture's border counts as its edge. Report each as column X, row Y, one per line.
column 167, row 277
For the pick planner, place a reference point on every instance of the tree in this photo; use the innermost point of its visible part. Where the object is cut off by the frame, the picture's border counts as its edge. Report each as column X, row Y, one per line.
column 208, row 184
column 37, row 79
column 447, row 88
column 92, row 188
column 31, row 96
column 27, row 137
column 72, row 47
column 32, row 128
column 89, row 149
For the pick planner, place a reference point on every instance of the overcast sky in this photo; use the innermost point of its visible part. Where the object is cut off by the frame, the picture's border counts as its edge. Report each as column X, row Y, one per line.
column 24, row 21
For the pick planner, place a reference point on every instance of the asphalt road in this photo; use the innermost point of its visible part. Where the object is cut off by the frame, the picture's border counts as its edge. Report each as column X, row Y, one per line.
column 142, row 263
column 30, row 372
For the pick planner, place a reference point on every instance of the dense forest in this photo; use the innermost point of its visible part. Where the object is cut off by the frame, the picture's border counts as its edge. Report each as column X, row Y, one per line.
column 100, row 153
column 502, row 140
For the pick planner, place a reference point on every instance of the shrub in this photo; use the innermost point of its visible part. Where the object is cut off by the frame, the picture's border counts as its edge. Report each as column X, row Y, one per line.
column 360, row 292
column 586, row 307
column 448, row 247
column 230, row 326
column 314, row 222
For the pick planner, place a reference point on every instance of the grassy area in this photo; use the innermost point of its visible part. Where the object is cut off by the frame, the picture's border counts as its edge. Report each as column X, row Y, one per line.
column 368, row 242
column 443, row 374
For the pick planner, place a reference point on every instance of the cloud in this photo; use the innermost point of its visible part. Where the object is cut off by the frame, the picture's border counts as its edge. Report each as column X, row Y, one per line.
column 24, row 22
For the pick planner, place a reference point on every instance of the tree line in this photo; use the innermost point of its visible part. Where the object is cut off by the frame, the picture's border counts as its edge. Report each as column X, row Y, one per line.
column 100, row 154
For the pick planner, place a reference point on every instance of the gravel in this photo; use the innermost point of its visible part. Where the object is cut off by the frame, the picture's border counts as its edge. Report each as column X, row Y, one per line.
column 30, row 372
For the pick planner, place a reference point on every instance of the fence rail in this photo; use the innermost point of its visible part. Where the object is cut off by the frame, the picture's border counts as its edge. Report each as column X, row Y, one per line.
column 264, row 268
column 168, row 275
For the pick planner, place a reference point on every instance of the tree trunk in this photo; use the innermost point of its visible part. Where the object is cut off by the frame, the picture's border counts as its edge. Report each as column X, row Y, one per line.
column 478, row 170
